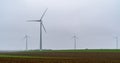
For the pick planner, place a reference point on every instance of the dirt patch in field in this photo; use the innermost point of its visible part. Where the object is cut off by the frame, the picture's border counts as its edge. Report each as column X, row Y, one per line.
column 65, row 57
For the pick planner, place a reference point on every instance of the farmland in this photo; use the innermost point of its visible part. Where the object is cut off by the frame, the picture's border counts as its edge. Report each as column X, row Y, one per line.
column 62, row 56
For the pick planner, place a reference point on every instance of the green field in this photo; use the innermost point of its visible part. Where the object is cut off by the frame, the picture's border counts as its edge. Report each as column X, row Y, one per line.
column 10, row 54
column 77, row 50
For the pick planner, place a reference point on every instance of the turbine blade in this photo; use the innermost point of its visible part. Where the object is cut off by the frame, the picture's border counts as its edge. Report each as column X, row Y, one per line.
column 24, row 37
column 33, row 21
column 44, row 27
column 43, row 14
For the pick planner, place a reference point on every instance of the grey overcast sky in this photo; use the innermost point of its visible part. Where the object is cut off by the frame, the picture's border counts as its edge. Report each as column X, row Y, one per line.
column 95, row 22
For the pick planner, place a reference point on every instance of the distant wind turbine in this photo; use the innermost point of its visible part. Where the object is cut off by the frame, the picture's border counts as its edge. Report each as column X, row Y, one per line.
column 26, row 39
column 41, row 26
column 75, row 39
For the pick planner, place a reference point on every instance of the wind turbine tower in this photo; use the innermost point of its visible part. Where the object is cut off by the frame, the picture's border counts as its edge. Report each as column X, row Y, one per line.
column 26, row 39
column 41, row 26
column 75, row 39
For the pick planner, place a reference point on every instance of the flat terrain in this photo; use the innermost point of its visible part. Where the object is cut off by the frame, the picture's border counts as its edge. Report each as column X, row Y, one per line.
column 61, row 56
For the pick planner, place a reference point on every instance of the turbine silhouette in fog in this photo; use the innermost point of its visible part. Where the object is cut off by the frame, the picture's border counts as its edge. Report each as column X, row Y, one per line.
column 75, row 38
column 26, row 39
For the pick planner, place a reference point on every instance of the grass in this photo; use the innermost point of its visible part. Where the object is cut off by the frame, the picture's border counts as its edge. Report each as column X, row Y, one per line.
column 78, row 50
column 15, row 56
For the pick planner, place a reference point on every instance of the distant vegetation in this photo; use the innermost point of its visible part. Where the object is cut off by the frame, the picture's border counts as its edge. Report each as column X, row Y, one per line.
column 77, row 50
column 29, row 53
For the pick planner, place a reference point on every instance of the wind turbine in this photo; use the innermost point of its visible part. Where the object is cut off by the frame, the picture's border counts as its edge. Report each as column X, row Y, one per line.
column 75, row 39
column 41, row 26
column 26, row 39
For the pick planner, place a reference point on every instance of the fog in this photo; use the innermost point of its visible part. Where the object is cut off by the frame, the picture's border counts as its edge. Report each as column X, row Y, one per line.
column 95, row 23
